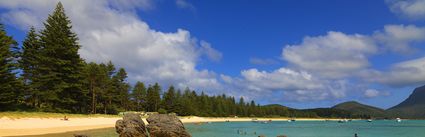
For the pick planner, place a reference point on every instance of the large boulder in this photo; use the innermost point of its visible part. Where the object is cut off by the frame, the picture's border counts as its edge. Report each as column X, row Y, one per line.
column 131, row 126
column 164, row 125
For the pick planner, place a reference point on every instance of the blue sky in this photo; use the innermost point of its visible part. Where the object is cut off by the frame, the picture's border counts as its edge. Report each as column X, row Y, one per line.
column 299, row 53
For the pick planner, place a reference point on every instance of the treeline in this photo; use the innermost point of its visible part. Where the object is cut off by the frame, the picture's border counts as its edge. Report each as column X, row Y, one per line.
column 47, row 74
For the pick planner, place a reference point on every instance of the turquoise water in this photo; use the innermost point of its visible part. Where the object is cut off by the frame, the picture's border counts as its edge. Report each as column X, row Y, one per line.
column 377, row 128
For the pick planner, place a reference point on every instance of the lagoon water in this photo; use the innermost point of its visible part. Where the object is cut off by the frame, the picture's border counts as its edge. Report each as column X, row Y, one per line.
column 377, row 128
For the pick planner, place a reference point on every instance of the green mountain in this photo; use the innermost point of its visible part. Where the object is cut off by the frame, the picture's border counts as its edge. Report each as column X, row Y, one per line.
column 358, row 109
column 277, row 106
column 314, row 112
column 412, row 107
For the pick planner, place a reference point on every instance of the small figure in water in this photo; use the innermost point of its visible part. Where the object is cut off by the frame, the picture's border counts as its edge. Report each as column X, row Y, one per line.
column 355, row 135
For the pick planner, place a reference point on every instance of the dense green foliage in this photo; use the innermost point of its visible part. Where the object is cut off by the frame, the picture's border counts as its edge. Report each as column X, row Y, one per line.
column 10, row 86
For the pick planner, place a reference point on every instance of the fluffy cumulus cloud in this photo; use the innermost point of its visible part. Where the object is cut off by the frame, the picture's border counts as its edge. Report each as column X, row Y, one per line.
column 283, row 78
column 210, row 52
column 370, row 93
column 287, row 84
column 110, row 30
column 332, row 56
column 412, row 9
column 406, row 73
column 400, row 38
column 337, row 56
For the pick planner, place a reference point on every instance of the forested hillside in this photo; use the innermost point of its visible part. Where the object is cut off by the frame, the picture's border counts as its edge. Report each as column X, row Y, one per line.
column 359, row 109
column 412, row 107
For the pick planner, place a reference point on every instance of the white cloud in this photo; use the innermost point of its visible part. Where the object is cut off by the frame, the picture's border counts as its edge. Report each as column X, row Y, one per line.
column 407, row 73
column 338, row 55
column 370, row 93
column 332, row 90
column 399, row 38
column 335, row 55
column 259, row 61
column 183, row 4
column 280, row 79
column 290, row 85
column 132, row 4
column 210, row 52
column 109, row 30
column 412, row 9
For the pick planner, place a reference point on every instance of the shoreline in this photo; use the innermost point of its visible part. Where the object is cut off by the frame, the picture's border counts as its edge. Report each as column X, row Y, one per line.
column 39, row 126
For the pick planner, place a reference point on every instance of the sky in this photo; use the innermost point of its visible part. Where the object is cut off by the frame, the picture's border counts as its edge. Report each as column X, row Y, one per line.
column 298, row 53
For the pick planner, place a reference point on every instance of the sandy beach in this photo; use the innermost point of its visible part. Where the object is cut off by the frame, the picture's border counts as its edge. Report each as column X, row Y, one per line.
column 37, row 126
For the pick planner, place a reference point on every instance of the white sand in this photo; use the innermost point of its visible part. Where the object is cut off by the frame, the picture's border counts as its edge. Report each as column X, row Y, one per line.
column 37, row 126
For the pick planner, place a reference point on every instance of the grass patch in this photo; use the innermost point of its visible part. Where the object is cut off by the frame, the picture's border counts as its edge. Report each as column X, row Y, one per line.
column 23, row 114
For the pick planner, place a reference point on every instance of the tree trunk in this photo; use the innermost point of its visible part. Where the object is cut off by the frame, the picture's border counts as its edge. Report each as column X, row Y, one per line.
column 104, row 107
column 93, row 98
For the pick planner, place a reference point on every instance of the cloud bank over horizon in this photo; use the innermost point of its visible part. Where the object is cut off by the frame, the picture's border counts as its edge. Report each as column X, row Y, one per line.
column 331, row 66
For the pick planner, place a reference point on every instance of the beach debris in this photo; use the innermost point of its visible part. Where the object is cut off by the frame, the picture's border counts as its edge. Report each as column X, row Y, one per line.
column 65, row 118
column 80, row 135
column 281, row 136
column 165, row 125
column 131, row 126
column 261, row 136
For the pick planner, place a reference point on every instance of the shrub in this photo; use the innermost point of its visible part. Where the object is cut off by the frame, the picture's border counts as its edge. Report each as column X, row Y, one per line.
column 162, row 111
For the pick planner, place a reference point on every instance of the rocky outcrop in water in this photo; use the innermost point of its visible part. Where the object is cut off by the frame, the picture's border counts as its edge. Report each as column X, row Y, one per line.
column 164, row 125
column 131, row 126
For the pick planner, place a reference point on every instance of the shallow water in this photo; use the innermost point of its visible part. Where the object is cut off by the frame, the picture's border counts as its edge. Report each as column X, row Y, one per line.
column 378, row 128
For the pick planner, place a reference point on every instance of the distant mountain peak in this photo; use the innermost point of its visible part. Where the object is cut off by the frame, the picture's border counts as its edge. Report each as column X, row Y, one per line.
column 360, row 109
column 412, row 107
